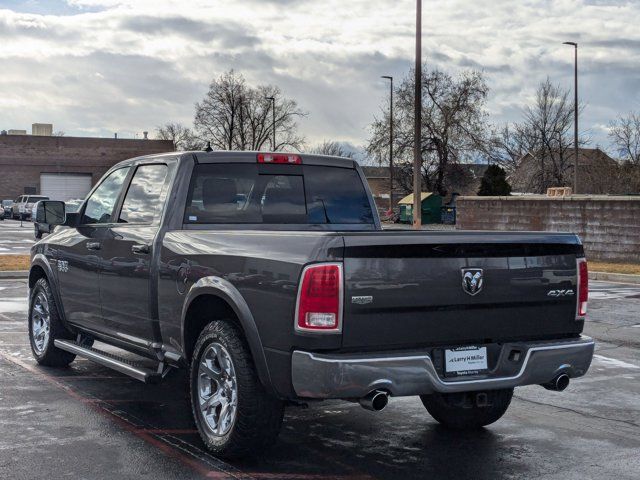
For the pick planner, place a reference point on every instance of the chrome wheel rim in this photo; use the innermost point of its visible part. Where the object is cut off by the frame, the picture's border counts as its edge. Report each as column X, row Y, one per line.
column 40, row 323
column 217, row 389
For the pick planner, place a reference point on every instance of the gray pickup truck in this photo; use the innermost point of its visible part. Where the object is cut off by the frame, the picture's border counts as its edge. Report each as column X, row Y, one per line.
column 269, row 278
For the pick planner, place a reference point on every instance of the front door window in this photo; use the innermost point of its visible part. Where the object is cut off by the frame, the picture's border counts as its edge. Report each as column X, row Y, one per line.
column 101, row 202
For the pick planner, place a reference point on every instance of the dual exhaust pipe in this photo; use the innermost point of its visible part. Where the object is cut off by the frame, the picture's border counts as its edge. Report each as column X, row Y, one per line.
column 377, row 400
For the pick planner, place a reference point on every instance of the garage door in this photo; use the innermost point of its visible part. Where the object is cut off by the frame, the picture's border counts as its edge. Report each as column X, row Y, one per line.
column 66, row 186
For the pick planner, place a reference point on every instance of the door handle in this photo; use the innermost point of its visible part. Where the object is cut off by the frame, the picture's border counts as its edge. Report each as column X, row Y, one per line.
column 140, row 249
column 93, row 246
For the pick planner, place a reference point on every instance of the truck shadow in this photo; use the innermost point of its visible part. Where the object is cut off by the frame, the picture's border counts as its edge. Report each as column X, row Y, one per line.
column 326, row 440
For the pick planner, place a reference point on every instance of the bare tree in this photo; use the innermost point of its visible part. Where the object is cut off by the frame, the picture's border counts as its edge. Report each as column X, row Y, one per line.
column 236, row 116
column 624, row 133
column 550, row 121
column 539, row 150
column 508, row 145
column 330, row 147
column 59, row 133
column 181, row 136
column 454, row 125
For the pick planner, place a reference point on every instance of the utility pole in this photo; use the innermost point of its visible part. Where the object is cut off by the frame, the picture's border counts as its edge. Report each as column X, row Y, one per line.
column 417, row 143
column 575, row 117
column 390, row 141
column 273, row 112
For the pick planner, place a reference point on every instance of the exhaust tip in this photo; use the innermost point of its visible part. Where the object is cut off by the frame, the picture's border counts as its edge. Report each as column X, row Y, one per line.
column 562, row 382
column 558, row 384
column 375, row 401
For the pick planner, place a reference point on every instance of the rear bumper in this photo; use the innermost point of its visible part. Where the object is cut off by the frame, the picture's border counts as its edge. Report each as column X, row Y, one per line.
column 355, row 375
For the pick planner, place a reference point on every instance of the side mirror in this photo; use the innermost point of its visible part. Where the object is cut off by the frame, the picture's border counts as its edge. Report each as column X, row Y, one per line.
column 50, row 212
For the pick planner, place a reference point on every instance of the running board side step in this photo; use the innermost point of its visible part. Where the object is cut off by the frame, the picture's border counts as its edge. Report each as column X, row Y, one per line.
column 122, row 365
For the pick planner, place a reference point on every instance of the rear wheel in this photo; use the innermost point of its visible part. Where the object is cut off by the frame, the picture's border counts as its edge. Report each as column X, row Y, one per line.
column 45, row 326
column 234, row 414
column 468, row 410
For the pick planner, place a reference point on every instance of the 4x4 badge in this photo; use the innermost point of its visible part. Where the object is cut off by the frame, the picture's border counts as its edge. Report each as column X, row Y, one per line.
column 472, row 280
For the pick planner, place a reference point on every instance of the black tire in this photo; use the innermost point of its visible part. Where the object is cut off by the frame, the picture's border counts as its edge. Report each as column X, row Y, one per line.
column 48, row 354
column 258, row 415
column 468, row 410
column 36, row 231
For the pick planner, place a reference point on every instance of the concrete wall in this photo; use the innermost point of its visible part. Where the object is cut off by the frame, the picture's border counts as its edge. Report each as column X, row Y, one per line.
column 608, row 226
column 23, row 158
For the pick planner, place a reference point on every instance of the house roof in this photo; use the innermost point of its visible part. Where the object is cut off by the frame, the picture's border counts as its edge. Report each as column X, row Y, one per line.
column 376, row 172
column 586, row 156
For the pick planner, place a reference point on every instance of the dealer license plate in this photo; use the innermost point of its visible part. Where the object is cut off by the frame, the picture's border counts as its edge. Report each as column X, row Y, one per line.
column 466, row 360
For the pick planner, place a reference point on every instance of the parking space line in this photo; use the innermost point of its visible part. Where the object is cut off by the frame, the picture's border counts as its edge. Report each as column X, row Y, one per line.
column 168, row 448
column 171, row 431
column 118, row 400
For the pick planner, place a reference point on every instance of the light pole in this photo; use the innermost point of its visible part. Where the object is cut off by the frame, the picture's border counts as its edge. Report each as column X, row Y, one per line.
column 417, row 150
column 390, row 141
column 575, row 117
column 273, row 111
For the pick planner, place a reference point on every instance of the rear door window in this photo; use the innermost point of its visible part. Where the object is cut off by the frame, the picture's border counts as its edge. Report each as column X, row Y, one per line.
column 144, row 199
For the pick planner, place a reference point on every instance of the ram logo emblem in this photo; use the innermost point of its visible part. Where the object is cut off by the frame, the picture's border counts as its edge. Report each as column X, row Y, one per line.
column 472, row 280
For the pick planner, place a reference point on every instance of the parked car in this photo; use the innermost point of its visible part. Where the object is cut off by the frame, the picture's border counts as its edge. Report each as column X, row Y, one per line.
column 23, row 206
column 6, row 208
column 268, row 277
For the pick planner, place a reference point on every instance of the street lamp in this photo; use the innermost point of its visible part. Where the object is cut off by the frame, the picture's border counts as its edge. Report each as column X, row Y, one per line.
column 575, row 117
column 390, row 140
column 417, row 151
column 273, row 111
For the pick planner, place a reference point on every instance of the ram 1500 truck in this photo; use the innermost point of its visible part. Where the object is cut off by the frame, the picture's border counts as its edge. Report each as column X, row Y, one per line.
column 268, row 277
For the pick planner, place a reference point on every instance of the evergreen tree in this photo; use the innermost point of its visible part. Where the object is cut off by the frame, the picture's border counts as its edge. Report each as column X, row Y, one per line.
column 494, row 182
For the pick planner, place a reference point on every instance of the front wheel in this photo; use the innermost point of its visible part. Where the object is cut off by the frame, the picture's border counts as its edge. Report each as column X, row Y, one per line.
column 468, row 410
column 234, row 414
column 36, row 232
column 45, row 326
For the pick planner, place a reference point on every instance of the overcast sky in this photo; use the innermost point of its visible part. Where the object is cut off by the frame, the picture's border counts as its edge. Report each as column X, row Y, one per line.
column 94, row 67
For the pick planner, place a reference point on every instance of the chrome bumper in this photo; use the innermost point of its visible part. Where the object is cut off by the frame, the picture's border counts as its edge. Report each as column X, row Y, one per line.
column 353, row 376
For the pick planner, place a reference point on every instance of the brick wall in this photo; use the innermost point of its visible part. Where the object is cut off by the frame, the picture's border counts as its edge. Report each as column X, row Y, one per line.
column 24, row 157
column 608, row 226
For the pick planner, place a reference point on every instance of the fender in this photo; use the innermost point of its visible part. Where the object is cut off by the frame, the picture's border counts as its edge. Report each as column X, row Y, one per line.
column 224, row 290
column 40, row 260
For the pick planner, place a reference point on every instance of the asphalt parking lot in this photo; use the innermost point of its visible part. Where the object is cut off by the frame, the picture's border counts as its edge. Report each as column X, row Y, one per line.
column 16, row 239
column 89, row 422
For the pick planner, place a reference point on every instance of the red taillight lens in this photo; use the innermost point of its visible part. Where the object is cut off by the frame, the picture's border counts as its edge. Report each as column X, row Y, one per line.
column 319, row 306
column 286, row 158
column 583, row 288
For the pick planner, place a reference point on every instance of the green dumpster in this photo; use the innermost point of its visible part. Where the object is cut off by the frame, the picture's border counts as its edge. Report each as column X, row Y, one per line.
column 431, row 208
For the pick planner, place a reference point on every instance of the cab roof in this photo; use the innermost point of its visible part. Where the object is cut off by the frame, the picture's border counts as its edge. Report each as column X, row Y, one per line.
column 225, row 156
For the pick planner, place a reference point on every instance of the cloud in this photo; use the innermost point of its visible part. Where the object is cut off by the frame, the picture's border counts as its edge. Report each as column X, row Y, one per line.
column 97, row 66
column 230, row 35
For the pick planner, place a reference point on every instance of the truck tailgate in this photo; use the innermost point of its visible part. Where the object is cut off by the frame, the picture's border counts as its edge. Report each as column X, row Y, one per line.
column 405, row 289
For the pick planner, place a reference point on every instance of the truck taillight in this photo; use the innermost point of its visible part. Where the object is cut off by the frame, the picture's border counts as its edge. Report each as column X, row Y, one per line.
column 286, row 158
column 319, row 304
column 583, row 288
